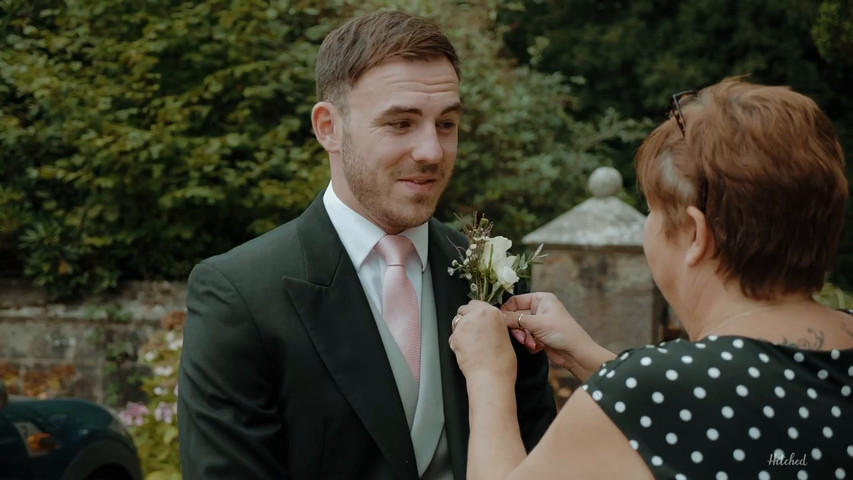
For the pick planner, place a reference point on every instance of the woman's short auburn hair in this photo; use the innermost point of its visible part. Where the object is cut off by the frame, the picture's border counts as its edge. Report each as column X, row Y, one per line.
column 364, row 42
column 764, row 165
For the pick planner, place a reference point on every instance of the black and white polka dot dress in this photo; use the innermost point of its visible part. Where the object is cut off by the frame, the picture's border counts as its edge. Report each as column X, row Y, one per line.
column 733, row 408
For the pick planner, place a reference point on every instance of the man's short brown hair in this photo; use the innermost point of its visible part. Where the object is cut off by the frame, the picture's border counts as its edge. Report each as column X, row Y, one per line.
column 765, row 166
column 369, row 40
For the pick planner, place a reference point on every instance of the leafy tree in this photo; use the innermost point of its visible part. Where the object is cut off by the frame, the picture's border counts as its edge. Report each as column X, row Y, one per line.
column 833, row 32
column 631, row 56
column 140, row 137
column 137, row 138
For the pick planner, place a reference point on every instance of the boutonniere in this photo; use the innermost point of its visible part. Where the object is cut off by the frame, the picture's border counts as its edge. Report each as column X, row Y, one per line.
column 487, row 265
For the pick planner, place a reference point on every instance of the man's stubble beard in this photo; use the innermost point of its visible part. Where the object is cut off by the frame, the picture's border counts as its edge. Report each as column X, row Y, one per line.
column 385, row 212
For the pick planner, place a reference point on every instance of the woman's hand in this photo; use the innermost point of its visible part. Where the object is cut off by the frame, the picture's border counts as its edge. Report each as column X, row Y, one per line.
column 482, row 345
column 540, row 321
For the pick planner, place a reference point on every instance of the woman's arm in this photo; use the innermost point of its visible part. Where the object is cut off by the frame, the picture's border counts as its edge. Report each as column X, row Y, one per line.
column 495, row 447
column 585, row 362
column 582, row 442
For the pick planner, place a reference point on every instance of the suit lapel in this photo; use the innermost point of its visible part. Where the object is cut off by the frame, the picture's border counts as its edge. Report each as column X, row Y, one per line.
column 335, row 312
column 449, row 293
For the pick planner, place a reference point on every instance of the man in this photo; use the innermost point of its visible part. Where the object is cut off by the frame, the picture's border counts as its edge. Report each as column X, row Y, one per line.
column 292, row 367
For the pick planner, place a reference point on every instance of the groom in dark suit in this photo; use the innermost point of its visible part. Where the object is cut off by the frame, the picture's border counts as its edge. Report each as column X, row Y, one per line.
column 294, row 365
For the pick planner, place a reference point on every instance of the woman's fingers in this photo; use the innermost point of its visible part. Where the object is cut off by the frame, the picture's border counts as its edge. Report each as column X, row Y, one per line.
column 519, row 302
column 511, row 313
column 473, row 306
column 516, row 323
column 519, row 336
column 480, row 342
column 528, row 340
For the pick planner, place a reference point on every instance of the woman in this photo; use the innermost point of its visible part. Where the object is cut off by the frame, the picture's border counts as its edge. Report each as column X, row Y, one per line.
column 746, row 190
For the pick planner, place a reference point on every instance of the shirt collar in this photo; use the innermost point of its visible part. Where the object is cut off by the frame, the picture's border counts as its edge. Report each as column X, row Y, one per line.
column 359, row 235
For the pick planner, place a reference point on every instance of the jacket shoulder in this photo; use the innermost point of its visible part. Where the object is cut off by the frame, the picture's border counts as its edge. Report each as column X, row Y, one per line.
column 271, row 250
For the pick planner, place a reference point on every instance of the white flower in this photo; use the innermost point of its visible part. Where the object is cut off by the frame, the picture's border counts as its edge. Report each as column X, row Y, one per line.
column 176, row 344
column 497, row 265
column 506, row 274
column 494, row 253
column 487, row 265
column 164, row 371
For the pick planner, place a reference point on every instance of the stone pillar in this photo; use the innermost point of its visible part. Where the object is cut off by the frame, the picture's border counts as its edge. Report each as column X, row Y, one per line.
column 595, row 265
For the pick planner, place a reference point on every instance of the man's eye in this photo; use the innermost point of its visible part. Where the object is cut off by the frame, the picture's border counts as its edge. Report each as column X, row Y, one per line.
column 449, row 125
column 401, row 125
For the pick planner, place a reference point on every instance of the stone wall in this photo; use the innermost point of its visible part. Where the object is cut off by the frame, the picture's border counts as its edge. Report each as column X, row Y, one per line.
column 84, row 349
column 596, row 267
column 610, row 293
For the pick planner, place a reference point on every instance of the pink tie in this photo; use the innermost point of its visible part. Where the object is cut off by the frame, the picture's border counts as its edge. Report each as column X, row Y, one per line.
column 401, row 309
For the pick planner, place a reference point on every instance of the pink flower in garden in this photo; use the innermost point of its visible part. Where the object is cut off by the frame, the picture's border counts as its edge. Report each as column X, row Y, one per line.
column 134, row 414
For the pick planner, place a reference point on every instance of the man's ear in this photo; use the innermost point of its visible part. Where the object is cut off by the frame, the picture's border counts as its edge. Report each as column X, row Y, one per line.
column 325, row 120
column 702, row 241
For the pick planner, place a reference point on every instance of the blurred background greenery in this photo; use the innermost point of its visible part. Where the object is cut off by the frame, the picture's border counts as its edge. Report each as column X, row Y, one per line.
column 139, row 136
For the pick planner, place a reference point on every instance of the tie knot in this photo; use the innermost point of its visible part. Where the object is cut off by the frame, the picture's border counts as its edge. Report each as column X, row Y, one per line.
column 394, row 249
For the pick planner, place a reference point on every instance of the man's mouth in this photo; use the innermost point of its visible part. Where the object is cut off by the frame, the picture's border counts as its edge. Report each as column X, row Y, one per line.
column 419, row 184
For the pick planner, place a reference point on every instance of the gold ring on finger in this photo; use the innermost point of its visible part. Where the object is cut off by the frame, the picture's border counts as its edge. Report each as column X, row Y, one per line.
column 455, row 321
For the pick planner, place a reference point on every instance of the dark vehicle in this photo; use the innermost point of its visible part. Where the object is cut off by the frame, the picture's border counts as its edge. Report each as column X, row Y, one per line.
column 63, row 439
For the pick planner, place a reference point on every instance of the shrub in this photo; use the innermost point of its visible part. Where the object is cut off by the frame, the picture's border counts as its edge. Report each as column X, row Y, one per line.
column 138, row 138
column 153, row 424
column 833, row 296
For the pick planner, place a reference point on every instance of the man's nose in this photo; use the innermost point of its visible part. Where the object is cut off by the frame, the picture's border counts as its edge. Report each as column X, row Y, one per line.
column 428, row 147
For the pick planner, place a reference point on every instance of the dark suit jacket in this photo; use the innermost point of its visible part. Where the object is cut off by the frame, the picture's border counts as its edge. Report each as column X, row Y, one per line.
column 283, row 373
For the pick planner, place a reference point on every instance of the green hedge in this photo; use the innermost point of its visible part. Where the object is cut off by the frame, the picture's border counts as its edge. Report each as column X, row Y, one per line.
column 137, row 138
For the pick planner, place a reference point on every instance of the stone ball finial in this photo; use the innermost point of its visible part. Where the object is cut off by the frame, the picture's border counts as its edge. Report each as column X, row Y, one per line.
column 605, row 182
